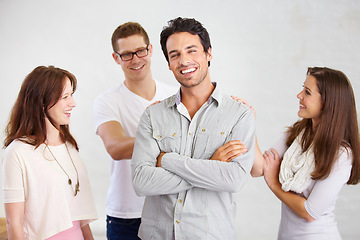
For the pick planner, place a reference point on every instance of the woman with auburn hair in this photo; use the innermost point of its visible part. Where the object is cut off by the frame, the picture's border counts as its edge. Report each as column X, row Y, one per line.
column 46, row 189
column 317, row 156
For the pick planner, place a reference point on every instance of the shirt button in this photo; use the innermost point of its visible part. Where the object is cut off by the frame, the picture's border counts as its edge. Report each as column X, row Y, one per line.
column 222, row 133
column 190, row 133
column 203, row 129
column 174, row 134
column 177, row 221
column 180, row 201
column 159, row 136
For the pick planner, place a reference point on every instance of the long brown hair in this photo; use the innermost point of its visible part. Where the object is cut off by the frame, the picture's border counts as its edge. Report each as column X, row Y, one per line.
column 40, row 91
column 338, row 125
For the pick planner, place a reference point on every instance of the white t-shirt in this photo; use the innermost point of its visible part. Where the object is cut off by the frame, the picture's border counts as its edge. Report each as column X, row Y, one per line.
column 121, row 105
column 33, row 176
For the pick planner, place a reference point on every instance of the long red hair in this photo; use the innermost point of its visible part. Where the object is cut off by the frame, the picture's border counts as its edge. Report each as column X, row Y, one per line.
column 40, row 90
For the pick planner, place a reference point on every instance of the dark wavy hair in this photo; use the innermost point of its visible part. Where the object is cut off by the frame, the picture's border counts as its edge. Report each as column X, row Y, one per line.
column 40, row 91
column 338, row 125
column 189, row 25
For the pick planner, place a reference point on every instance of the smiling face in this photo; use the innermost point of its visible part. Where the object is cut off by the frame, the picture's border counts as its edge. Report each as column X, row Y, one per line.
column 137, row 68
column 187, row 59
column 60, row 113
column 310, row 101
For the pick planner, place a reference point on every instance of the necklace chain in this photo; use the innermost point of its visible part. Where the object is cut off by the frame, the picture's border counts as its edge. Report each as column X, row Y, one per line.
column 77, row 186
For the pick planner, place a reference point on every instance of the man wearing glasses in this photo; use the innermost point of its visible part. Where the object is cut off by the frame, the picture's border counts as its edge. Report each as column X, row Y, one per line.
column 117, row 113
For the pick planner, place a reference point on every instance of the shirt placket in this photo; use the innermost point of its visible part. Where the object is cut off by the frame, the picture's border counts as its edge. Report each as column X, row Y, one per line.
column 188, row 127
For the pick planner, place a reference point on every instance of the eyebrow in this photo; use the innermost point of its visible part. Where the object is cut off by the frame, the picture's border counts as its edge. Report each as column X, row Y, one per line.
column 67, row 93
column 307, row 88
column 172, row 51
column 136, row 49
column 188, row 47
column 191, row 46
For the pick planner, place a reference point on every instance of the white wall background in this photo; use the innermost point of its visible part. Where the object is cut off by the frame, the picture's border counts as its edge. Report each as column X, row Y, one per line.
column 261, row 51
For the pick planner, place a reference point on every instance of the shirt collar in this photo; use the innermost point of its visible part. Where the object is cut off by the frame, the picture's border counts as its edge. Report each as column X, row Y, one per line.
column 215, row 96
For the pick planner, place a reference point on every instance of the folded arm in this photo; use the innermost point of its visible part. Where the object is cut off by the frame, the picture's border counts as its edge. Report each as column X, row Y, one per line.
column 218, row 175
column 147, row 178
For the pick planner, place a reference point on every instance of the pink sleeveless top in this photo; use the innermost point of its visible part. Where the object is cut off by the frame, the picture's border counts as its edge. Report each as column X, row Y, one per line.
column 73, row 233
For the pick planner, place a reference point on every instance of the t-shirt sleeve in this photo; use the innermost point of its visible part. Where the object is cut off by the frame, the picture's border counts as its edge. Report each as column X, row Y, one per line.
column 12, row 178
column 104, row 111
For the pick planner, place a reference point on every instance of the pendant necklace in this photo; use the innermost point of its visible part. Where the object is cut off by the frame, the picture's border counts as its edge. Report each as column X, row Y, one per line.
column 77, row 186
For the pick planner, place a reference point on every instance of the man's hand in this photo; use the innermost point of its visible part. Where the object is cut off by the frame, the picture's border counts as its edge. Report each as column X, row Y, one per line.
column 158, row 163
column 225, row 153
column 229, row 151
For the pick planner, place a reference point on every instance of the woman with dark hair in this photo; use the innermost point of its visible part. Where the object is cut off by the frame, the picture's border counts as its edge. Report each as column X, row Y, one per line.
column 46, row 189
column 317, row 156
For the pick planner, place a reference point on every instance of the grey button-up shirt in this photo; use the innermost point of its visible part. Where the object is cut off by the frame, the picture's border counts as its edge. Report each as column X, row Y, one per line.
column 191, row 196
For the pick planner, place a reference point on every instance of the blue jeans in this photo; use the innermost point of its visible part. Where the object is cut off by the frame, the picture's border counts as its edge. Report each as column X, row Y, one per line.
column 122, row 229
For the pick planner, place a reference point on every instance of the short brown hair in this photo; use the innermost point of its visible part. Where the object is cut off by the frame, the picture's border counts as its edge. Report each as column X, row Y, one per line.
column 126, row 30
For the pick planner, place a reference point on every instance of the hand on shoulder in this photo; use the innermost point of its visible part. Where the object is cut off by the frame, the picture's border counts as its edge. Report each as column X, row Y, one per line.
column 239, row 99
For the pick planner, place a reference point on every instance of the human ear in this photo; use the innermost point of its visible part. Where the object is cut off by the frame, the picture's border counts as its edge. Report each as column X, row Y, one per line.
column 208, row 55
column 116, row 57
column 150, row 50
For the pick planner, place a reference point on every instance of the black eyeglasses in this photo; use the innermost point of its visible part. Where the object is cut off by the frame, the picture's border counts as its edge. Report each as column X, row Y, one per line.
column 130, row 55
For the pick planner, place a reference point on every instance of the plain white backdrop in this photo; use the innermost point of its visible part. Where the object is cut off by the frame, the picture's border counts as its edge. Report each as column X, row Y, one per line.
column 261, row 51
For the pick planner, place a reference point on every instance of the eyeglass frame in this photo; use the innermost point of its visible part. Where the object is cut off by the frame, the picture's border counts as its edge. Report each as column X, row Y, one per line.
column 134, row 53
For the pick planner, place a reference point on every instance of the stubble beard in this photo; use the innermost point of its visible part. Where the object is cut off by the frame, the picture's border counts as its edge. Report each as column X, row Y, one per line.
column 196, row 83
